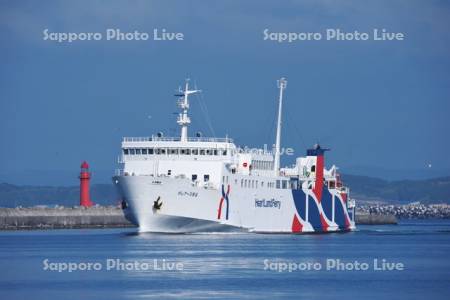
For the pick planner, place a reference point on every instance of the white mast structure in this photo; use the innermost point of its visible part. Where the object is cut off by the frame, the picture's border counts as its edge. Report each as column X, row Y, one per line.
column 282, row 84
column 183, row 118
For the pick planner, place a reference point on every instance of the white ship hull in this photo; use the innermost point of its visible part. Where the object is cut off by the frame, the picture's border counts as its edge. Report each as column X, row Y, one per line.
column 188, row 208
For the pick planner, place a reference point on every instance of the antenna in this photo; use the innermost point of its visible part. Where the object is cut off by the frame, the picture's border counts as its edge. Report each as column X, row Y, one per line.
column 282, row 84
column 183, row 102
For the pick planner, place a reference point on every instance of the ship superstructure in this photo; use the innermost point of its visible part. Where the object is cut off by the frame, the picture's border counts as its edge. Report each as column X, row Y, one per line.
column 190, row 184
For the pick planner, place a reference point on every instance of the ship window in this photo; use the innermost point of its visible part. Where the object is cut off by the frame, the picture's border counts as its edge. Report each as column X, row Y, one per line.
column 284, row 184
column 278, row 184
column 183, row 151
column 224, row 152
column 163, row 151
column 188, row 151
column 242, row 182
column 138, row 151
column 256, row 183
column 194, row 151
column 150, row 150
column 293, row 184
column 313, row 168
column 202, row 152
column 132, row 152
column 157, row 151
column 125, row 151
column 215, row 152
column 262, row 183
column 223, row 179
column 144, row 151
column 169, row 172
column 208, row 152
column 206, row 178
column 194, row 177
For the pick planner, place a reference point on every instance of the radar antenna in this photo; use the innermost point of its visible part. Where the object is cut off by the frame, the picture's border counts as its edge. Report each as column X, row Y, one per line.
column 183, row 119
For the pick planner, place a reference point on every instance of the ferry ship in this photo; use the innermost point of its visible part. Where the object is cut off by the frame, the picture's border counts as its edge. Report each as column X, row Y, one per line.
column 199, row 184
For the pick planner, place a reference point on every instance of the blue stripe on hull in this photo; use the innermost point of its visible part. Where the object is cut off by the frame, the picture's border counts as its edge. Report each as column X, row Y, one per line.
column 300, row 202
column 327, row 203
column 339, row 217
column 314, row 215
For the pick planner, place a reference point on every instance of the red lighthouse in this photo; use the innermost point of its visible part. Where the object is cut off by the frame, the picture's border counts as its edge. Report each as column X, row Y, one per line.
column 85, row 176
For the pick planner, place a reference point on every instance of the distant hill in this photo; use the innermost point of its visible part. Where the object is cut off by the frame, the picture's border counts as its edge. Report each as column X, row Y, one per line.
column 362, row 188
column 436, row 190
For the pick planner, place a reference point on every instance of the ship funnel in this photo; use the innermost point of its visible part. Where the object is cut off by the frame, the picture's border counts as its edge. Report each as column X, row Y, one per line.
column 318, row 152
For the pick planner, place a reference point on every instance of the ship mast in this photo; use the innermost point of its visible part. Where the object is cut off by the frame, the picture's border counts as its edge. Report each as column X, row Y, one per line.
column 183, row 118
column 282, row 83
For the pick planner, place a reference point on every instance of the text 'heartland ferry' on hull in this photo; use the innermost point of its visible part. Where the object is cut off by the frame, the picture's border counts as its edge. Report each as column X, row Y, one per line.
column 198, row 184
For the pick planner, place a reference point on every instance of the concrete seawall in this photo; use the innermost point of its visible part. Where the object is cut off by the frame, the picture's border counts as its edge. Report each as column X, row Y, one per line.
column 62, row 217
column 375, row 219
column 104, row 216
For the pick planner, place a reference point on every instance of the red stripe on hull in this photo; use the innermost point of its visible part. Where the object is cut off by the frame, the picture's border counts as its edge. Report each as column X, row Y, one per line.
column 296, row 225
column 220, row 208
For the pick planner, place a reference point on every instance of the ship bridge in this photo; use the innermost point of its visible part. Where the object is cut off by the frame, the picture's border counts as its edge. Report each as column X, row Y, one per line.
column 199, row 158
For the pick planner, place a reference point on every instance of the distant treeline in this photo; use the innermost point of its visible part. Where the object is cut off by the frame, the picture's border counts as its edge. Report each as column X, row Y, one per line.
column 428, row 191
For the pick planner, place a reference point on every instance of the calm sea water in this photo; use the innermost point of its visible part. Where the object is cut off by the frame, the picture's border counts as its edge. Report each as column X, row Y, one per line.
column 225, row 266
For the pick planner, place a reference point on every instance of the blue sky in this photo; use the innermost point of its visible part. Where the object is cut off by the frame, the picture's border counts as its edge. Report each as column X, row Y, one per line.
column 380, row 106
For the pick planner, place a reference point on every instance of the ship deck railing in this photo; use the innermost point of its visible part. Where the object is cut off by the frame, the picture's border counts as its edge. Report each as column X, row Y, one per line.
column 177, row 139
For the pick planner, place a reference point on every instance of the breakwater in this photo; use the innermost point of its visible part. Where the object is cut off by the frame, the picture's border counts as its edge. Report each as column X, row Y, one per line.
column 62, row 217
column 408, row 211
column 363, row 218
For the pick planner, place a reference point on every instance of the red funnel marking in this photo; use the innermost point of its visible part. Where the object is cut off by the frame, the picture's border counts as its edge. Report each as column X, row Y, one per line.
column 319, row 177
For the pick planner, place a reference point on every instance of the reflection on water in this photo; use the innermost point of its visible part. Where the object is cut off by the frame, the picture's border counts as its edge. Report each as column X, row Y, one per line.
column 227, row 265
